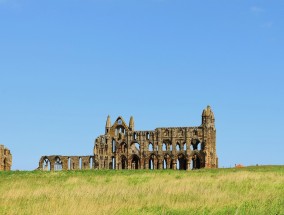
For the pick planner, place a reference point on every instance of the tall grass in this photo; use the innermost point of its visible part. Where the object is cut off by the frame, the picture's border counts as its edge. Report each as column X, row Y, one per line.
column 251, row 190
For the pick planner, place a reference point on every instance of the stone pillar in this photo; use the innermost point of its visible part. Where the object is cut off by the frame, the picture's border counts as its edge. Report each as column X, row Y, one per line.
column 174, row 164
column 160, row 164
column 188, row 165
column 142, row 163
column 64, row 163
column 146, row 165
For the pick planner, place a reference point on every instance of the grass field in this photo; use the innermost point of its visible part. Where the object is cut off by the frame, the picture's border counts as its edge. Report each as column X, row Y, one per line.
column 250, row 190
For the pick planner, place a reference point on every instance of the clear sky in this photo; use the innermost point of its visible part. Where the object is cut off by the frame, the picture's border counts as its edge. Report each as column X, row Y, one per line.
column 65, row 65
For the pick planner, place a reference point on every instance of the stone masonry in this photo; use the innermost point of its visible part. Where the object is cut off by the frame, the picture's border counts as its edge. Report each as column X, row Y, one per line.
column 183, row 148
column 122, row 147
column 5, row 158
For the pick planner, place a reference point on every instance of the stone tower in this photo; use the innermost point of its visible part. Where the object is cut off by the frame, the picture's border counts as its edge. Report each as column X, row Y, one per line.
column 5, row 158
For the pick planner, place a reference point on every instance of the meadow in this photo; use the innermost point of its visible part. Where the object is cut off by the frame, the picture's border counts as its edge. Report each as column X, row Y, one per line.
column 249, row 190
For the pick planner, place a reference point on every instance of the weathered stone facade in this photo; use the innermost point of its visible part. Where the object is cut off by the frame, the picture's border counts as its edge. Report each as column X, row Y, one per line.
column 121, row 147
column 5, row 158
column 184, row 148
column 59, row 162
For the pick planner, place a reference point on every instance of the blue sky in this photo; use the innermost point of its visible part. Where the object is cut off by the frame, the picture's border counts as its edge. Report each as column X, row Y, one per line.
column 66, row 65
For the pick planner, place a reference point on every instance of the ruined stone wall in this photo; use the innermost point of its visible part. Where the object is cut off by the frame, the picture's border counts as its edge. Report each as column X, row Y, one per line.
column 5, row 159
column 59, row 162
column 163, row 148
column 121, row 147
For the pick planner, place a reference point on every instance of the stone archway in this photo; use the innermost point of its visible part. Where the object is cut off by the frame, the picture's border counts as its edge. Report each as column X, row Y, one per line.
column 135, row 162
column 123, row 162
column 181, row 162
column 196, row 162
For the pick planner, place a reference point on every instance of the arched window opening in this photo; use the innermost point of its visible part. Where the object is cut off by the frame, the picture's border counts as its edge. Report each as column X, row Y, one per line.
column 157, row 148
column 57, row 164
column 137, row 145
column 150, row 147
column 147, row 136
column 199, row 146
column 178, row 147
column 184, row 146
column 113, row 146
column 191, row 147
column 178, row 164
column 164, row 147
column 151, row 163
column 135, row 136
column 69, row 164
column 171, row 147
column 113, row 163
column 46, row 165
column 91, row 163
column 80, row 163
column 165, row 164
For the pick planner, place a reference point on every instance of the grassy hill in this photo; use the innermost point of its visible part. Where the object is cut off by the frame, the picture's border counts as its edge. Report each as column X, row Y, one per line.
column 250, row 190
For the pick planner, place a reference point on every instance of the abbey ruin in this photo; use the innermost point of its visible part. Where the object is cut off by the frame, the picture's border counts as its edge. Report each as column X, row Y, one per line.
column 122, row 147
column 5, row 158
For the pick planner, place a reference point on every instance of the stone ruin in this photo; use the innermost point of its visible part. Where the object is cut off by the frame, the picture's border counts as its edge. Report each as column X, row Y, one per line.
column 122, row 147
column 5, row 159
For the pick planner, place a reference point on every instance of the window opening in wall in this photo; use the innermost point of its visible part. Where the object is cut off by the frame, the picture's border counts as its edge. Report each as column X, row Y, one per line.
column 184, row 146
column 151, row 163
column 199, row 146
column 147, row 136
column 69, row 164
column 135, row 136
column 58, row 165
column 80, row 163
column 137, row 145
column 91, row 162
column 191, row 147
column 178, row 164
column 171, row 147
column 157, row 147
column 113, row 163
column 150, row 147
column 178, row 147
column 164, row 147
column 113, row 146
column 165, row 164
column 46, row 165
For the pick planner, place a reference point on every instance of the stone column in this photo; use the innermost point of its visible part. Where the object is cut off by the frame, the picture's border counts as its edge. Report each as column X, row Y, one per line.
column 188, row 165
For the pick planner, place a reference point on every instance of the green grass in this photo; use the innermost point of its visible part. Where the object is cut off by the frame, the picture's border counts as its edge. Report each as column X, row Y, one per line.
column 250, row 190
